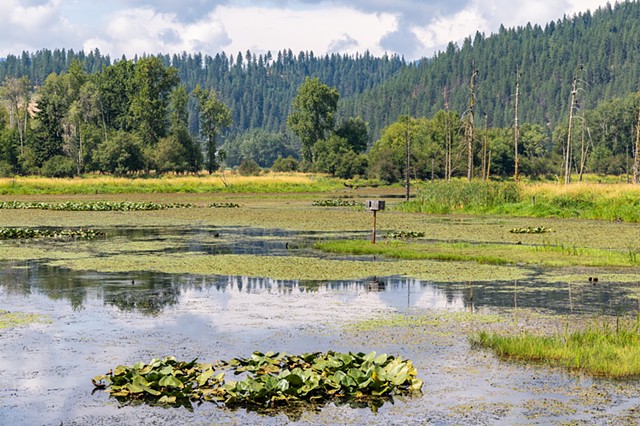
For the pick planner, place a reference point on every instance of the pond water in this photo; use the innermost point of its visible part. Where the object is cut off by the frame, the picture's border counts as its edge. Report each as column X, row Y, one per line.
column 96, row 321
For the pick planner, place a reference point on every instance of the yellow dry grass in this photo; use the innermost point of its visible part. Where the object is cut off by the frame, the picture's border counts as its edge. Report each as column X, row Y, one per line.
column 589, row 189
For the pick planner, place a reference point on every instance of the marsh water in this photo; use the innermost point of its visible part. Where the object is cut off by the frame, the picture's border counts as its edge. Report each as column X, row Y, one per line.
column 96, row 321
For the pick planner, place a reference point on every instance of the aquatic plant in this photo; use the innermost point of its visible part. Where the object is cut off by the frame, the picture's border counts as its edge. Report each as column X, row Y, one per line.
column 28, row 233
column 17, row 319
column 531, row 230
column 271, row 380
column 403, row 235
column 599, row 350
column 91, row 206
column 459, row 195
column 224, row 205
column 336, row 203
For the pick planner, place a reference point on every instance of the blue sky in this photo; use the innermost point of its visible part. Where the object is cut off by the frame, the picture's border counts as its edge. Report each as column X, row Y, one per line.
column 412, row 28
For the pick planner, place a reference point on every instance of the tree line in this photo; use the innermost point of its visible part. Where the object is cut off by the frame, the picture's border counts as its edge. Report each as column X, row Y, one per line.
column 129, row 117
column 66, row 112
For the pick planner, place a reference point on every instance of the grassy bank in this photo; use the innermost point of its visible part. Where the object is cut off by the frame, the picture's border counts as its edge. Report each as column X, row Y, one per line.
column 615, row 202
column 545, row 254
column 227, row 183
column 605, row 350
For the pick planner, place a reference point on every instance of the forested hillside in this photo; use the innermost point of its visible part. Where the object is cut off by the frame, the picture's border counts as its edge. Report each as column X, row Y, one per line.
column 259, row 88
column 174, row 112
column 602, row 48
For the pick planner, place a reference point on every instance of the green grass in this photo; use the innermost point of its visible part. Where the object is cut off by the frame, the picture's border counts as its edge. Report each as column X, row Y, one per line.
column 605, row 350
column 219, row 183
column 546, row 254
column 615, row 202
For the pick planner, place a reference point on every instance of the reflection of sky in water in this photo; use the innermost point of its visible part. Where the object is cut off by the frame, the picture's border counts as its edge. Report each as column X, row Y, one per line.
column 102, row 320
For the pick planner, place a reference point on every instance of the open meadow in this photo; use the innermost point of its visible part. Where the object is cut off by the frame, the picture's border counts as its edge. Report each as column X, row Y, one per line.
column 102, row 272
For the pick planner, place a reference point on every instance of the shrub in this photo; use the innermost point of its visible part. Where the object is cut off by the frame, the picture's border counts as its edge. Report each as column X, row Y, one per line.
column 288, row 164
column 6, row 169
column 59, row 166
column 249, row 168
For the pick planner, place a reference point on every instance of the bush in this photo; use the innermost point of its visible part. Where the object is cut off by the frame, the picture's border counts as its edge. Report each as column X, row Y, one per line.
column 288, row 164
column 249, row 168
column 6, row 169
column 59, row 166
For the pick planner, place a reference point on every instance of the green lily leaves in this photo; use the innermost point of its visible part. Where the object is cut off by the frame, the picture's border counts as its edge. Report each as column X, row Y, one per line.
column 29, row 233
column 404, row 235
column 531, row 230
column 338, row 202
column 86, row 206
column 269, row 380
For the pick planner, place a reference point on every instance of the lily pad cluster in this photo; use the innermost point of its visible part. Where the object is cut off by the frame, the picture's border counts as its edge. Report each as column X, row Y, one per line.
column 531, row 230
column 92, row 206
column 270, row 381
column 28, row 233
column 336, row 203
column 404, row 235
column 223, row 205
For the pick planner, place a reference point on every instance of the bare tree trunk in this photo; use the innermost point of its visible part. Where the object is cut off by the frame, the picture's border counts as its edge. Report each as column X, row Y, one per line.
column 408, row 160
column 516, row 130
column 447, row 126
column 484, row 147
column 567, row 164
column 636, row 160
column 583, row 153
column 472, row 102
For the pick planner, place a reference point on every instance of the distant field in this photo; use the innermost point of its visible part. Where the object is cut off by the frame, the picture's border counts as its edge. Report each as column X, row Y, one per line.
column 227, row 182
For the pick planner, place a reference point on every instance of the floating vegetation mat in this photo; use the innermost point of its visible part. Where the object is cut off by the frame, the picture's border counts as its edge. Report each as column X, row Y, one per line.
column 92, row 206
column 271, row 381
column 28, row 233
column 404, row 235
column 17, row 319
column 336, row 203
column 531, row 230
column 223, row 205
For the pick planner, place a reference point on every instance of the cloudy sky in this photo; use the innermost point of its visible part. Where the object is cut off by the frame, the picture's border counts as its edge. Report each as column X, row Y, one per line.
column 413, row 28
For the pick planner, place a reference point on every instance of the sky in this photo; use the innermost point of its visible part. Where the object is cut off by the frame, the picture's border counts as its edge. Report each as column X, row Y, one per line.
column 411, row 28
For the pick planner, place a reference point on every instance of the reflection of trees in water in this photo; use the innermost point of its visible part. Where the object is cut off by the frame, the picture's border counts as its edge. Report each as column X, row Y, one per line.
column 58, row 284
column 147, row 293
column 14, row 277
column 151, row 292
column 558, row 298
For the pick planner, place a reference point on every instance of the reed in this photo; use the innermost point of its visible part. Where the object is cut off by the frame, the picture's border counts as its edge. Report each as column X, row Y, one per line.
column 605, row 350
column 458, row 195
column 585, row 200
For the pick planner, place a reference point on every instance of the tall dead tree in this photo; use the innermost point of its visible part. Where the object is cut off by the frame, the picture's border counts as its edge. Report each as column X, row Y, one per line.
column 472, row 101
column 408, row 159
column 568, row 147
column 447, row 136
column 636, row 160
column 516, row 130
column 484, row 147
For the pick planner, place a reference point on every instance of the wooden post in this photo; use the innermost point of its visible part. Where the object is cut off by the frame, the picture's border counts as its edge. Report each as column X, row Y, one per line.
column 373, row 234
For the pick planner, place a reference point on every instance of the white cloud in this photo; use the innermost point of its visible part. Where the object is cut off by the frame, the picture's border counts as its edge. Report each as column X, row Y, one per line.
column 142, row 30
column 414, row 28
column 312, row 29
column 24, row 25
column 451, row 28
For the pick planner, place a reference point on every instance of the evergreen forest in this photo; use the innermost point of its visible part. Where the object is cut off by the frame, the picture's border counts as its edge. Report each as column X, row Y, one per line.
column 549, row 101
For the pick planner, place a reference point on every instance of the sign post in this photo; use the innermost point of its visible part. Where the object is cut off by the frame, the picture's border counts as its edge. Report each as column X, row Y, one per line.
column 374, row 206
